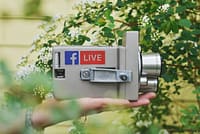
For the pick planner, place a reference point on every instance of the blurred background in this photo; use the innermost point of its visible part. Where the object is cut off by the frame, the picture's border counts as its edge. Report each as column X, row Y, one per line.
column 19, row 21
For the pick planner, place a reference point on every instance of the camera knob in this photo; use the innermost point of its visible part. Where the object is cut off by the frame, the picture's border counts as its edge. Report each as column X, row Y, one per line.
column 123, row 77
column 86, row 74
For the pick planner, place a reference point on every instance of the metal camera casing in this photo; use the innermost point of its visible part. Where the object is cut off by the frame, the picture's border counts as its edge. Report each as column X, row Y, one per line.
column 117, row 72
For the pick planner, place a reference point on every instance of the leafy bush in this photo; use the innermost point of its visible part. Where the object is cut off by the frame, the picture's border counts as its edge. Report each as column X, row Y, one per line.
column 169, row 27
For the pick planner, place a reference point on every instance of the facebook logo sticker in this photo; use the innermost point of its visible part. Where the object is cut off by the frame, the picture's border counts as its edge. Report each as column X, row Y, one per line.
column 71, row 57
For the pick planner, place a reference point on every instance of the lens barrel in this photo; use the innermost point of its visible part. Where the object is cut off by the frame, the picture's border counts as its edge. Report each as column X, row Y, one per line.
column 150, row 71
column 151, row 64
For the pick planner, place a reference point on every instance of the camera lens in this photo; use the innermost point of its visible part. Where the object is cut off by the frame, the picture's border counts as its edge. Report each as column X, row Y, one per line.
column 151, row 65
column 151, row 85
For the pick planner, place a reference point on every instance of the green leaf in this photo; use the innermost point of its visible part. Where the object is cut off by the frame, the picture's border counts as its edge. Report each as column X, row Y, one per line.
column 120, row 33
column 187, row 35
column 196, row 31
column 83, row 37
column 166, row 27
column 167, row 77
column 101, row 21
column 107, row 32
column 185, row 23
column 108, row 13
column 174, row 27
column 180, row 9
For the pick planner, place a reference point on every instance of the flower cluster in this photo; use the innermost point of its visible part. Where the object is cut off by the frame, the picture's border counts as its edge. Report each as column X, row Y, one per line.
column 163, row 8
column 145, row 20
column 45, row 54
column 25, row 71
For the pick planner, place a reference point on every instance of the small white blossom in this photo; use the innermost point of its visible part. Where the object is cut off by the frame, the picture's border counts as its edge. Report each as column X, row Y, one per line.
column 143, row 123
column 145, row 20
column 93, row 39
column 74, row 32
column 163, row 8
column 45, row 54
column 24, row 71
column 155, row 36
column 134, row 13
column 22, row 60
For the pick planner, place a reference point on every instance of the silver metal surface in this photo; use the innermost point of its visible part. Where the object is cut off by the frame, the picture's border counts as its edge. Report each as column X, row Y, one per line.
column 143, row 81
column 56, row 59
column 116, row 72
column 151, row 86
column 104, row 75
column 151, row 64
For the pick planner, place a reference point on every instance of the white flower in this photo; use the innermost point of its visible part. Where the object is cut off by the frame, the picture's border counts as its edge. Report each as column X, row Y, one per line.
column 134, row 13
column 163, row 8
column 24, row 71
column 155, row 36
column 143, row 123
column 93, row 39
column 22, row 60
column 145, row 20
column 45, row 54
column 74, row 32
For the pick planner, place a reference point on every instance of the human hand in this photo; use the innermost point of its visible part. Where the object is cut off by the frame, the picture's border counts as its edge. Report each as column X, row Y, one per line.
column 88, row 104
column 43, row 115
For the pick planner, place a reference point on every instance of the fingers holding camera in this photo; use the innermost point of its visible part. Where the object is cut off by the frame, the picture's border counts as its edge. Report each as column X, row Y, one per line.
column 99, row 104
column 143, row 99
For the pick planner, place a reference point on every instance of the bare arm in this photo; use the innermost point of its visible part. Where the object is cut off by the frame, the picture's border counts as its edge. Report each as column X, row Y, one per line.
column 44, row 114
column 42, row 117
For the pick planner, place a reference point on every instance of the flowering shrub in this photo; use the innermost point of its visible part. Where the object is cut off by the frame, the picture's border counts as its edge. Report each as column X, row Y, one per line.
column 170, row 27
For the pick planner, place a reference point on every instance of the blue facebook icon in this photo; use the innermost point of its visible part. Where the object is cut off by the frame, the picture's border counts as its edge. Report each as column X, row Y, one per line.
column 71, row 57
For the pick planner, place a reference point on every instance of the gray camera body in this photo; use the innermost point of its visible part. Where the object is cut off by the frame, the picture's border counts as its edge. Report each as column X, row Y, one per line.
column 94, row 71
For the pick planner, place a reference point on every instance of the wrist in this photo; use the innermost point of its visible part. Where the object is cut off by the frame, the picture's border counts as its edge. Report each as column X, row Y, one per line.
column 30, row 126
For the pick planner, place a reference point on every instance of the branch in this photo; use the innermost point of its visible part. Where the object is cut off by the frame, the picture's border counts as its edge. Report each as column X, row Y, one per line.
column 127, row 24
column 182, row 66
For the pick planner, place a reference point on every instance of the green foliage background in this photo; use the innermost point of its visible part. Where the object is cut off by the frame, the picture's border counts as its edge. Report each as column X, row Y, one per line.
column 169, row 27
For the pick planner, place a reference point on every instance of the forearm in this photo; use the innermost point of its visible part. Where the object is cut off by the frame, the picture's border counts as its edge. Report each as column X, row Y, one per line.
column 52, row 111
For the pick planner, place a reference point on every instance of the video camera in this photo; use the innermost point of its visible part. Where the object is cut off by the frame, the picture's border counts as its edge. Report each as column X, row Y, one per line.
column 95, row 71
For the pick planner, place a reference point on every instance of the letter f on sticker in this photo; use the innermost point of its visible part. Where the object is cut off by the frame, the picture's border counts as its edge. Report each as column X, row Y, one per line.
column 74, row 58
column 71, row 57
